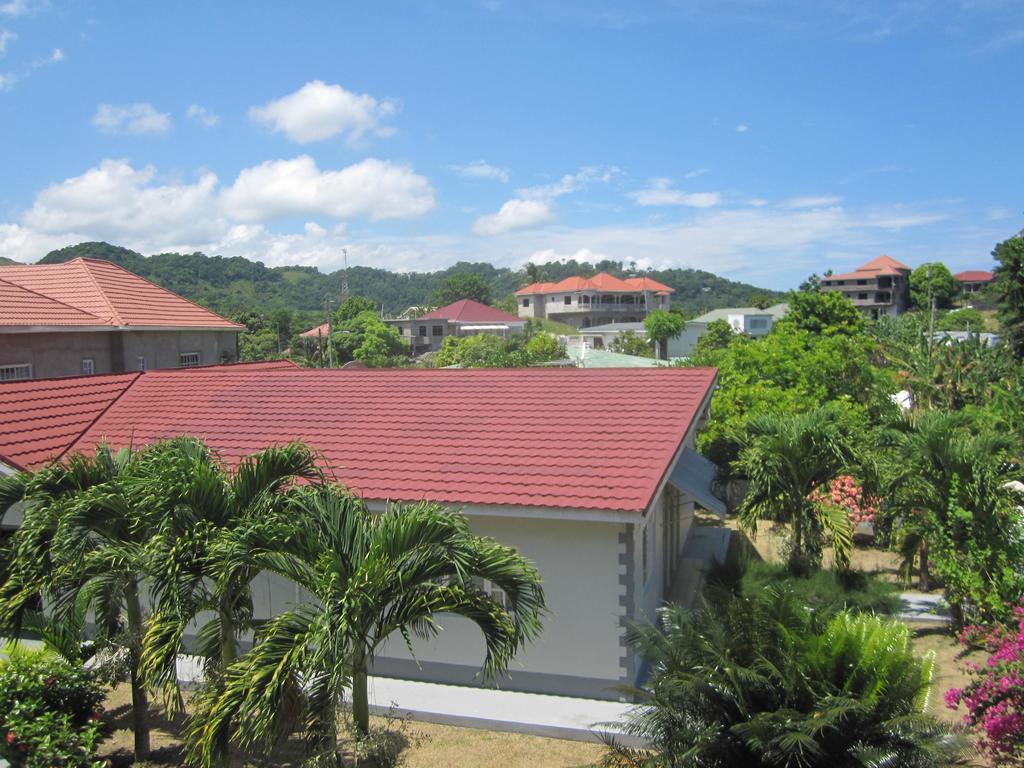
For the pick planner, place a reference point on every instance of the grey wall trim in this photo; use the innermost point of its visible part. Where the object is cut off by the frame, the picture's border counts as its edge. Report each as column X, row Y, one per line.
column 512, row 680
column 627, row 600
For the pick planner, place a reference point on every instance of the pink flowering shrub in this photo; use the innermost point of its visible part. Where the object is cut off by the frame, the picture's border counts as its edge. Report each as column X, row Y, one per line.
column 994, row 699
column 845, row 492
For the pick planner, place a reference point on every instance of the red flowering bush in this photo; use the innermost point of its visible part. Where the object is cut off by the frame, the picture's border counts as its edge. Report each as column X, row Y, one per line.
column 846, row 493
column 994, row 699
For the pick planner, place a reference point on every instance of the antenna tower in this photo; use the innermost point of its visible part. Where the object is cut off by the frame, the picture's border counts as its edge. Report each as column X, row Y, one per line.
column 344, row 275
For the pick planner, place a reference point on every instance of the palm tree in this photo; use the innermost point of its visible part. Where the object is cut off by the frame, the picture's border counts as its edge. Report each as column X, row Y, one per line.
column 787, row 457
column 762, row 681
column 81, row 546
column 210, row 519
column 937, row 449
column 371, row 575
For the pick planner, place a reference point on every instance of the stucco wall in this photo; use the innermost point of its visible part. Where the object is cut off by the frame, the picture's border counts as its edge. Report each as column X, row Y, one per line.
column 61, row 354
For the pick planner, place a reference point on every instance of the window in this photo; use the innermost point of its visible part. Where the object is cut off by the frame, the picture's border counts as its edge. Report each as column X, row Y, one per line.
column 140, row 363
column 15, row 372
column 862, row 295
column 88, row 366
column 526, row 302
column 586, row 299
column 862, row 282
column 758, row 323
column 645, row 551
column 437, row 330
column 568, row 299
column 188, row 359
column 423, row 330
column 493, row 592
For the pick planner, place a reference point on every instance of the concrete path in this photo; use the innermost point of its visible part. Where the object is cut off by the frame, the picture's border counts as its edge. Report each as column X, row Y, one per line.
column 924, row 608
column 559, row 717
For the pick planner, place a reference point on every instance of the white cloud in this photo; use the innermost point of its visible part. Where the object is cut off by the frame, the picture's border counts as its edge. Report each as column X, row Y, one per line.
column 515, row 214
column 695, row 173
column 135, row 119
column 742, row 128
column 999, row 214
column 372, row 188
column 570, row 182
column 482, row 170
column 55, row 57
column 318, row 111
column 7, row 80
column 6, row 36
column 812, row 201
column 13, row 8
column 660, row 192
column 202, row 116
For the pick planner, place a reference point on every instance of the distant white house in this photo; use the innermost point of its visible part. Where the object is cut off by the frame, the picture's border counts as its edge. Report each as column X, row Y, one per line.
column 749, row 320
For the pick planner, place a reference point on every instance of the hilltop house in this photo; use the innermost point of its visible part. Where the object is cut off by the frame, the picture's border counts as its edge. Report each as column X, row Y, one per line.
column 879, row 288
column 607, row 521
column 461, row 318
column 973, row 280
column 91, row 317
column 586, row 301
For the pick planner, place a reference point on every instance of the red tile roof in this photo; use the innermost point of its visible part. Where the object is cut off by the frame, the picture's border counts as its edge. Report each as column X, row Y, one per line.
column 116, row 296
column 525, row 437
column 882, row 266
column 469, row 311
column 22, row 307
column 602, row 281
column 42, row 417
column 974, row 276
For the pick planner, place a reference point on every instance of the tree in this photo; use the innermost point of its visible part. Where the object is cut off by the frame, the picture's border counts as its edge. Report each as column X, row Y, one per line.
column 353, row 307
column 1008, row 289
column 367, row 338
column 813, row 283
column 81, row 545
column 718, row 334
column 483, row 351
column 372, row 576
column 967, row 319
column 761, row 300
column 788, row 457
column 827, row 313
column 534, row 273
column 210, row 520
column 544, row 347
column 936, row 450
column 662, row 326
column 763, row 681
column 630, row 343
column 459, row 287
column 933, row 280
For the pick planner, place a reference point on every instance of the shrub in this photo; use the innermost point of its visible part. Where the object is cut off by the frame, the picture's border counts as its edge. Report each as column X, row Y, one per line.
column 994, row 698
column 764, row 682
column 847, row 494
column 50, row 712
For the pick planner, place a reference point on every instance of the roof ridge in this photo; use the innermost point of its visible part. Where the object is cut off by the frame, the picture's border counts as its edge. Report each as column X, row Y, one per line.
column 51, row 298
column 91, row 424
column 99, row 289
column 155, row 285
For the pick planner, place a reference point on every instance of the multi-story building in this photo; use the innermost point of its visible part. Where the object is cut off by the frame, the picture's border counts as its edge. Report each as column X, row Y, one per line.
column 586, row 301
column 879, row 288
column 92, row 317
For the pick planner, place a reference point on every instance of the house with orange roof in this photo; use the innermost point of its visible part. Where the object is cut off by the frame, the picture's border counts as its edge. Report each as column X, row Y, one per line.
column 880, row 288
column 87, row 316
column 586, row 301
column 973, row 280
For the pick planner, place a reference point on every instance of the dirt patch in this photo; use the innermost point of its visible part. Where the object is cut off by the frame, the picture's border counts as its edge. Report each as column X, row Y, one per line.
column 429, row 745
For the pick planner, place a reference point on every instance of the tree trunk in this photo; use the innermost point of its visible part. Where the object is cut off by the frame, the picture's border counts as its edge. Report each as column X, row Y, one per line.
column 228, row 653
column 140, row 700
column 924, row 582
column 360, row 699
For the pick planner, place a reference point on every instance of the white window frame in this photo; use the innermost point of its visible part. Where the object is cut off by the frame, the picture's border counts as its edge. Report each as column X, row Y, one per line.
column 10, row 372
column 88, row 366
column 495, row 593
column 184, row 357
column 140, row 363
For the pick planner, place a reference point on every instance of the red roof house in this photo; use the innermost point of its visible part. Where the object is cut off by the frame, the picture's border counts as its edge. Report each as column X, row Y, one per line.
column 92, row 316
column 879, row 288
column 583, row 302
column 460, row 318
column 973, row 280
column 589, row 473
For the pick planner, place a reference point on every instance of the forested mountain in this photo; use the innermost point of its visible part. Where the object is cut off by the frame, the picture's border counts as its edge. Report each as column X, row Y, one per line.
column 235, row 284
column 5, row 261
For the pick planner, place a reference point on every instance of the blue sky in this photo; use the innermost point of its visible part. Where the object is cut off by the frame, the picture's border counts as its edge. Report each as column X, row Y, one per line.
column 759, row 140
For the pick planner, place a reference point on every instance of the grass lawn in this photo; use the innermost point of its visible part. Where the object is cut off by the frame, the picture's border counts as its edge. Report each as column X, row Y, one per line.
column 428, row 745
column 557, row 328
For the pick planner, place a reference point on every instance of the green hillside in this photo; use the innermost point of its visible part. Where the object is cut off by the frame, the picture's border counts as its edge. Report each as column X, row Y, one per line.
column 235, row 284
column 4, row 261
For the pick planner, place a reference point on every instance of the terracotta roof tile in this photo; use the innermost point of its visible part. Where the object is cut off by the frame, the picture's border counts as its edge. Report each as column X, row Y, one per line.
column 587, row 439
column 115, row 295
column 602, row 281
column 469, row 311
column 974, row 276
column 21, row 307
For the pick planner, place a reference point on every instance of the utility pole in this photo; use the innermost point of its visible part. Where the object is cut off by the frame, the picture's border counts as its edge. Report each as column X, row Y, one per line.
column 344, row 275
column 931, row 308
column 330, row 349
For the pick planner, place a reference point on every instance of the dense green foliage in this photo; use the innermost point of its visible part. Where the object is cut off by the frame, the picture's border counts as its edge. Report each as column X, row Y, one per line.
column 1008, row 290
column 662, row 326
column 966, row 319
column 233, row 285
column 762, row 681
column 933, row 281
column 487, row 351
column 631, row 343
column 50, row 713
column 462, row 286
